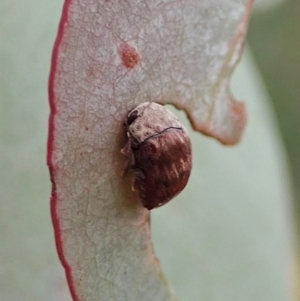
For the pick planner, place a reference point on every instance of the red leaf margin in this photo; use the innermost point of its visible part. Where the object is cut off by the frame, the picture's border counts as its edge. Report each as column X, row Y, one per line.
column 53, row 197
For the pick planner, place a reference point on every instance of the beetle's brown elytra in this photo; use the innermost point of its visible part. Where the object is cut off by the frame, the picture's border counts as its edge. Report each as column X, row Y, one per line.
column 159, row 152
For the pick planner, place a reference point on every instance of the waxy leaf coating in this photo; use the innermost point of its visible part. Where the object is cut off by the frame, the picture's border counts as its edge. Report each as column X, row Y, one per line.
column 110, row 56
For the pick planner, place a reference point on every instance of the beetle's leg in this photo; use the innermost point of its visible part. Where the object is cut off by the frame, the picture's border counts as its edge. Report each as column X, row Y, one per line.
column 127, row 151
column 139, row 182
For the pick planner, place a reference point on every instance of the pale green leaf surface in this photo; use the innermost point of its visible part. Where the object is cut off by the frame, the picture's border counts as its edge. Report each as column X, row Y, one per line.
column 203, row 262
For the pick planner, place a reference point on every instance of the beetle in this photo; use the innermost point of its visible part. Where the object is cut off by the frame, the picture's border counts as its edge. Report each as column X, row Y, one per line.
column 159, row 153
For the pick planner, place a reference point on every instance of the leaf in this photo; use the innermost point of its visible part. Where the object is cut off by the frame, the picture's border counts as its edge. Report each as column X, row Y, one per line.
column 110, row 56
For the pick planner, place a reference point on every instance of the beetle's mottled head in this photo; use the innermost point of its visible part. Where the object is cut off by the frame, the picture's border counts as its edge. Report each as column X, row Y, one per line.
column 148, row 119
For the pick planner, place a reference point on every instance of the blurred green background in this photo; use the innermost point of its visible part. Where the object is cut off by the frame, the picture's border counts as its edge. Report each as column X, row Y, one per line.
column 255, row 227
column 274, row 38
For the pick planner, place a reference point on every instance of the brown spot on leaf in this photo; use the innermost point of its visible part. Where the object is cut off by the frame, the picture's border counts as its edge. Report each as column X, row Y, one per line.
column 130, row 57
